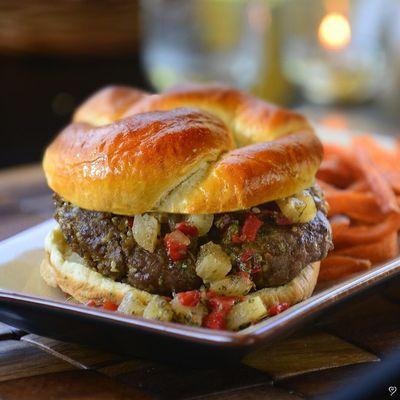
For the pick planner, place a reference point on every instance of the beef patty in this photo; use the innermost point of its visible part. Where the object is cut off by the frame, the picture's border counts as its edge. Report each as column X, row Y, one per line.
column 277, row 255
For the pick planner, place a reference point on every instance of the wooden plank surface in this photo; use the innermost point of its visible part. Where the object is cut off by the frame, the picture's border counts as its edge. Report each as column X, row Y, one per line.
column 372, row 323
column 81, row 356
column 314, row 351
column 314, row 361
column 324, row 382
column 174, row 382
column 19, row 359
column 71, row 385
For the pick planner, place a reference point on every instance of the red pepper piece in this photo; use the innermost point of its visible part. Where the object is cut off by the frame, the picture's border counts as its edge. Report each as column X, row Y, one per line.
column 236, row 238
column 246, row 255
column 110, row 306
column 91, row 303
column 250, row 227
column 278, row 308
column 190, row 298
column 176, row 250
column 214, row 320
column 187, row 228
column 220, row 305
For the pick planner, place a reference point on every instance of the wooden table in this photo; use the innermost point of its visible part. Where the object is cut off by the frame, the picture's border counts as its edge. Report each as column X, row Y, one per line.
column 316, row 360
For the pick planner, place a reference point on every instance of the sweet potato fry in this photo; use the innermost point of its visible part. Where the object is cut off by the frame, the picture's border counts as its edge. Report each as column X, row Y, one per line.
column 339, row 223
column 335, row 172
column 359, row 206
column 334, row 267
column 362, row 187
column 326, row 187
column 359, row 186
column 386, row 161
column 381, row 250
column 385, row 197
column 365, row 234
column 344, row 154
column 381, row 156
column 393, row 177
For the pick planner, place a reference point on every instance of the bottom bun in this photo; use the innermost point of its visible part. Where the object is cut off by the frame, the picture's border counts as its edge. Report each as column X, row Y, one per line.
column 65, row 269
column 295, row 291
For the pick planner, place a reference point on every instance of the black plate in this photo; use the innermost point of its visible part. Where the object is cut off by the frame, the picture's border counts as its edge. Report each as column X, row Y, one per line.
column 28, row 303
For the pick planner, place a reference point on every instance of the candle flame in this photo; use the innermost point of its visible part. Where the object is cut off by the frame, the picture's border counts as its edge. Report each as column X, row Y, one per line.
column 334, row 31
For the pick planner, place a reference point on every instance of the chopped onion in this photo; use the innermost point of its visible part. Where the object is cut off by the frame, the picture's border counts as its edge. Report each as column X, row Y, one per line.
column 247, row 312
column 203, row 222
column 145, row 230
column 188, row 315
column 130, row 304
column 158, row 309
column 212, row 263
column 232, row 285
column 299, row 208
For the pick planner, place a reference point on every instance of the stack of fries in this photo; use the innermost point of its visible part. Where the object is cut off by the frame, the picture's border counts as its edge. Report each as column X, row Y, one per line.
column 361, row 183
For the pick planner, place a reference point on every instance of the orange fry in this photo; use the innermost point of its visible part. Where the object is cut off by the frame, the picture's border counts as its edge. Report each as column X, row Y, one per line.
column 335, row 172
column 384, row 160
column 334, row 267
column 362, row 187
column 326, row 187
column 381, row 250
column 393, row 177
column 385, row 196
column 359, row 186
column 360, row 206
column 341, row 152
column 366, row 234
column 344, row 154
column 383, row 157
column 339, row 223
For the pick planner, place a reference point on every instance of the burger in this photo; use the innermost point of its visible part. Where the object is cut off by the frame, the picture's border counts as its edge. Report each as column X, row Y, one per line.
column 197, row 205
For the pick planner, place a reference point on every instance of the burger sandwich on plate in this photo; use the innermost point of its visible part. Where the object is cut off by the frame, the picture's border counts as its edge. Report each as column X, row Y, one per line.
column 197, row 205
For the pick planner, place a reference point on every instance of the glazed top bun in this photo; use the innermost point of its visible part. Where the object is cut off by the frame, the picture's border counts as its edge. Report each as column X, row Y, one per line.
column 196, row 149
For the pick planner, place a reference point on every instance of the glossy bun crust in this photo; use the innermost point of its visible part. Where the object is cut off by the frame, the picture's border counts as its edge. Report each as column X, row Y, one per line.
column 195, row 149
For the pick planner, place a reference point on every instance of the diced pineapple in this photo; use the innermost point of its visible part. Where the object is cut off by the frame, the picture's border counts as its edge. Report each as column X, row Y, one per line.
column 158, row 309
column 212, row 263
column 245, row 313
column 188, row 315
column 232, row 285
column 130, row 304
column 202, row 222
column 299, row 208
column 145, row 230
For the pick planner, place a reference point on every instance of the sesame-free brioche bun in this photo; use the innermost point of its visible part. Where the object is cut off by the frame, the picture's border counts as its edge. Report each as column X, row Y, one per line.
column 196, row 149
column 64, row 269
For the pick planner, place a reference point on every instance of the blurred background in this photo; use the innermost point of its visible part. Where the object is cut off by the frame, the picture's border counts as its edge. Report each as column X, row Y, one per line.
column 338, row 61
